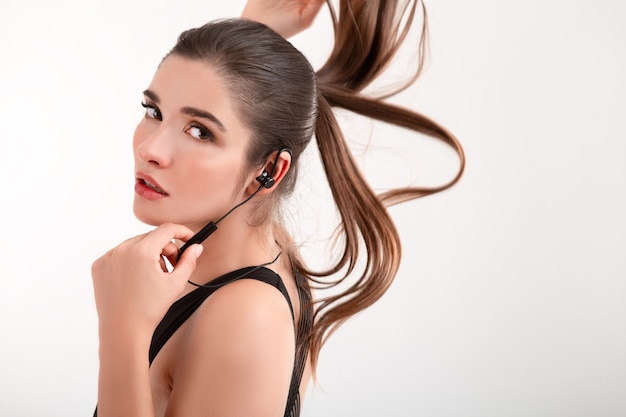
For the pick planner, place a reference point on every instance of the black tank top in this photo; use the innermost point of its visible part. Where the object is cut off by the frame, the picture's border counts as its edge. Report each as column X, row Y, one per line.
column 182, row 309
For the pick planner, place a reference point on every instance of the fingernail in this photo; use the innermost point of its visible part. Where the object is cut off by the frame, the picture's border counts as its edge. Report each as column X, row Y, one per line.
column 198, row 250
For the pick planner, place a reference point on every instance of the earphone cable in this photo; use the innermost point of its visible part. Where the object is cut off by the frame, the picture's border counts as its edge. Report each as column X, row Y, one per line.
column 237, row 277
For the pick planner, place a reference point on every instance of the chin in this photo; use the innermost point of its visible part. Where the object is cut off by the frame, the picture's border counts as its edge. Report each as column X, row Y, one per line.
column 148, row 219
column 154, row 217
column 149, row 215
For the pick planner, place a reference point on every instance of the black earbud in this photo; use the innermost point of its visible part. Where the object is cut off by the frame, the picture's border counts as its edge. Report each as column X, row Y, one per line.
column 266, row 180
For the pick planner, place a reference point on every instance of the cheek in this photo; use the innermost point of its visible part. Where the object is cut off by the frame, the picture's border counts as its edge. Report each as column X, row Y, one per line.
column 197, row 177
column 215, row 183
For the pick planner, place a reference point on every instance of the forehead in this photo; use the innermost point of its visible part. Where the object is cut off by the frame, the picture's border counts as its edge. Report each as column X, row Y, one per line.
column 183, row 79
column 180, row 82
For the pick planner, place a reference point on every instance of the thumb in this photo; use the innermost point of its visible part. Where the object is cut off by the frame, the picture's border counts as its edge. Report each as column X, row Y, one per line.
column 187, row 263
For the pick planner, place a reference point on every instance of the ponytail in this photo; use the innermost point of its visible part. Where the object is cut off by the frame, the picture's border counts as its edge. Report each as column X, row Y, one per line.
column 372, row 30
column 368, row 33
column 401, row 117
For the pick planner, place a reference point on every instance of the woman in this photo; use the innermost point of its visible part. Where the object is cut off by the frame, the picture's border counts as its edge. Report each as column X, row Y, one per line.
column 228, row 113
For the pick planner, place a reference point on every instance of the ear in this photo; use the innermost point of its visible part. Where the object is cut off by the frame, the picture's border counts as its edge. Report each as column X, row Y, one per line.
column 277, row 167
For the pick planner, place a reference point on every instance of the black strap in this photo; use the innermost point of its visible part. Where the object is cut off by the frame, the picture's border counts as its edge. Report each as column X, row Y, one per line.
column 182, row 309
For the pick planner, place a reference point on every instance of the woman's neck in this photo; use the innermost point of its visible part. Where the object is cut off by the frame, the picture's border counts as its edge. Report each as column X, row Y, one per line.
column 234, row 245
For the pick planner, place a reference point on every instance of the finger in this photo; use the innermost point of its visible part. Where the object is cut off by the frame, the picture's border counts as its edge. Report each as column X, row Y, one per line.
column 171, row 252
column 163, row 264
column 163, row 235
column 187, row 263
column 133, row 240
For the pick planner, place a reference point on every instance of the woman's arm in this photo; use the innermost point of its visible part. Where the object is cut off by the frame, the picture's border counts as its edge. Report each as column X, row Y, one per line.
column 287, row 17
column 133, row 290
column 124, row 379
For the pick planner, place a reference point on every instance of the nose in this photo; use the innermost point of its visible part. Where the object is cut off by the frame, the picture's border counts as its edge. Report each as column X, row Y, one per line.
column 152, row 145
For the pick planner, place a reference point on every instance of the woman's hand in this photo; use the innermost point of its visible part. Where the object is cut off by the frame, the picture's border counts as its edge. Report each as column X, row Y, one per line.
column 287, row 17
column 132, row 284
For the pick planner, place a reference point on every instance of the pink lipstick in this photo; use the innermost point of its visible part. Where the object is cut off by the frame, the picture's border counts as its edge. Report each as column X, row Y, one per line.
column 148, row 188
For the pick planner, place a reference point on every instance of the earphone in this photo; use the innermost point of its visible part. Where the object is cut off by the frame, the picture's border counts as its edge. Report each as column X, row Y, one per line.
column 267, row 181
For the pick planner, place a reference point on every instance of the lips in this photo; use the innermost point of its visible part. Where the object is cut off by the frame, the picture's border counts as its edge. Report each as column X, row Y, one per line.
column 149, row 182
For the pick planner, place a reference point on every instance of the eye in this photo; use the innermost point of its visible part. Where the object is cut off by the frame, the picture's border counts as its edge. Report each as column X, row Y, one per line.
column 200, row 133
column 152, row 112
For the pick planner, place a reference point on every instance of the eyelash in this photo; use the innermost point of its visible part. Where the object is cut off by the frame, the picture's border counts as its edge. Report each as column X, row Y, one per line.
column 148, row 107
column 205, row 135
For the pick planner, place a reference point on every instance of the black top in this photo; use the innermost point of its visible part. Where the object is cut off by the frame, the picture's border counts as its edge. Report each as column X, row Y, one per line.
column 182, row 309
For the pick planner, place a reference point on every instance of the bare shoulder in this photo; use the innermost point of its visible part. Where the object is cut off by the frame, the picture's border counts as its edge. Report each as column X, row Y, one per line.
column 247, row 302
column 240, row 348
column 242, row 313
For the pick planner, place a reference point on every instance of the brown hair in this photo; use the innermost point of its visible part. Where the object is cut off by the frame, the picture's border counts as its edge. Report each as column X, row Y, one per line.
column 284, row 102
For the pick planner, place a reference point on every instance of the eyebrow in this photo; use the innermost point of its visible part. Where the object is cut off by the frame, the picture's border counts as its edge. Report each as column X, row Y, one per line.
column 191, row 111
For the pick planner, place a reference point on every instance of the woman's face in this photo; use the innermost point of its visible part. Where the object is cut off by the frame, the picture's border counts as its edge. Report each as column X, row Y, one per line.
column 189, row 148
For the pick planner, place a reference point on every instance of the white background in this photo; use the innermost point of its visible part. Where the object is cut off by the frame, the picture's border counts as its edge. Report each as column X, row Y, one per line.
column 511, row 300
